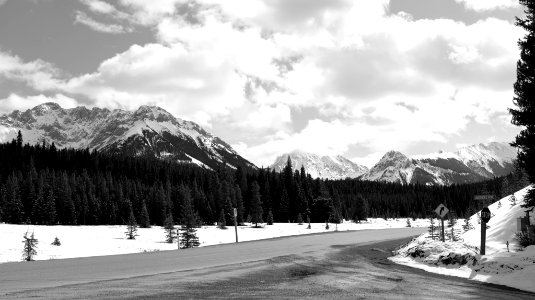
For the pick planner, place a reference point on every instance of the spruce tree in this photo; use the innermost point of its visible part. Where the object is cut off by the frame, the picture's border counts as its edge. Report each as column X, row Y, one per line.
column 222, row 224
column 269, row 220
column 256, row 204
column 284, row 206
column 190, row 220
column 524, row 113
column 169, row 227
column 131, row 226
column 30, row 246
column 56, row 242
column 144, row 220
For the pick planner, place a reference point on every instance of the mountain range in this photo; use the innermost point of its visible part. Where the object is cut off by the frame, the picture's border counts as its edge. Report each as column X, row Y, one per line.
column 331, row 167
column 149, row 130
column 468, row 164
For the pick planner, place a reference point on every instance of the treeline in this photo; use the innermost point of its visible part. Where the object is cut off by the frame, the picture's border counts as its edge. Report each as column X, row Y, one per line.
column 40, row 184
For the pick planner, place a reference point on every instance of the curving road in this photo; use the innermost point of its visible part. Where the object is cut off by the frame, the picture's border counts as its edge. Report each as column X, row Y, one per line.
column 22, row 276
column 343, row 265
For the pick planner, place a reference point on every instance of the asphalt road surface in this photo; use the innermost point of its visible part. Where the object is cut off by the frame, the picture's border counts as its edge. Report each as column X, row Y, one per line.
column 318, row 266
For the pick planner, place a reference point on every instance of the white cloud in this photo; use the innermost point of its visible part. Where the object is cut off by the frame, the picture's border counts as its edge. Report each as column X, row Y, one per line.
column 37, row 74
column 16, row 102
column 485, row 5
column 383, row 81
column 84, row 19
column 182, row 81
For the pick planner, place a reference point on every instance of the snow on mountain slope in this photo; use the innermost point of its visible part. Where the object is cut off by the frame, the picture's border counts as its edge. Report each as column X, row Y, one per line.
column 148, row 130
column 468, row 164
column 329, row 167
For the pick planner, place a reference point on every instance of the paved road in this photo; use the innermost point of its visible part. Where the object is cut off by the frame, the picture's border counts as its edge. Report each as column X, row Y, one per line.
column 345, row 265
column 22, row 276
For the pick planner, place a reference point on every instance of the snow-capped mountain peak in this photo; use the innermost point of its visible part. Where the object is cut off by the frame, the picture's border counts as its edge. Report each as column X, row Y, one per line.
column 468, row 164
column 148, row 130
column 329, row 167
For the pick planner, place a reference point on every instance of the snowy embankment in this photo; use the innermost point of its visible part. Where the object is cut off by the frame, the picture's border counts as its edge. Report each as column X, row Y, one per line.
column 514, row 268
column 83, row 241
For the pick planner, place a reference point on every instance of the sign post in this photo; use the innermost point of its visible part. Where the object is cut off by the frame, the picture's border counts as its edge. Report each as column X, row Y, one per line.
column 441, row 211
column 236, row 223
column 485, row 217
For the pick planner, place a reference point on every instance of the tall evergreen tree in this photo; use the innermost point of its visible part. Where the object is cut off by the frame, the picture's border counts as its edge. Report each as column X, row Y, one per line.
column 284, row 206
column 13, row 208
column 524, row 88
column 190, row 220
column 144, row 221
column 131, row 226
column 30, row 246
column 169, row 227
column 256, row 204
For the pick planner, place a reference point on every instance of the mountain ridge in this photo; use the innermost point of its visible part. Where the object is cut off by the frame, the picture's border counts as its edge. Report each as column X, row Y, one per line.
column 149, row 130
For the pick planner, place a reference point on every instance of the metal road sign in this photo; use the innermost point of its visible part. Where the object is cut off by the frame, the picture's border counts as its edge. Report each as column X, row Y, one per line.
column 235, row 212
column 441, row 210
column 485, row 215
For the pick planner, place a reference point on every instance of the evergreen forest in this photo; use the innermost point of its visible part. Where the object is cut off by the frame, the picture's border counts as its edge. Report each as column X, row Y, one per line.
column 41, row 184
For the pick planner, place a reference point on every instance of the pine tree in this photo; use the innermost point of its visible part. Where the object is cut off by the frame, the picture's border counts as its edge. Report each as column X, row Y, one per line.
column 190, row 220
column 144, row 220
column 284, row 206
column 270, row 218
column 524, row 100
column 19, row 139
column 222, row 220
column 131, row 226
column 308, row 221
column 169, row 227
column 256, row 204
column 408, row 224
column 30, row 246
column 56, row 242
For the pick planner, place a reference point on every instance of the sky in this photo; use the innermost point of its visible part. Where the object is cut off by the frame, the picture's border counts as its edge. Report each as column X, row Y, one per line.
column 333, row 77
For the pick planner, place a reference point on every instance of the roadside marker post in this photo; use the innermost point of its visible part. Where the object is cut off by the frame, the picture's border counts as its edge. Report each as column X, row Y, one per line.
column 485, row 217
column 236, row 223
column 441, row 211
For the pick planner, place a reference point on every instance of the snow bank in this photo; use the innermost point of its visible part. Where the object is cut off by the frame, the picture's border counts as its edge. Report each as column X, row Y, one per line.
column 83, row 241
column 461, row 258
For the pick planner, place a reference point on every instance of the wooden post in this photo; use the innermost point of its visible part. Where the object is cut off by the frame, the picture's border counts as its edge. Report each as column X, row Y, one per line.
column 483, row 237
column 236, row 223
column 443, row 238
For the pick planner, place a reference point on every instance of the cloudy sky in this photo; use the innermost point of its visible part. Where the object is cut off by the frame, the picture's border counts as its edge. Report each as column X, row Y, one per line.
column 349, row 77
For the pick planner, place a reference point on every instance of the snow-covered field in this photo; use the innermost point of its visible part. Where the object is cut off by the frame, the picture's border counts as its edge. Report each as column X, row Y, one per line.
column 515, row 268
column 83, row 241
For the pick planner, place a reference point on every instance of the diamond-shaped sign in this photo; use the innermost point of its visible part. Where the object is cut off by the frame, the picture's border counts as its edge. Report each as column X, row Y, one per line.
column 441, row 210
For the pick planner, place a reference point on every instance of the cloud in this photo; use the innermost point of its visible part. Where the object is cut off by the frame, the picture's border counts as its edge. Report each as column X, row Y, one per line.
column 37, row 74
column 486, row 5
column 241, row 67
column 84, row 19
column 17, row 102
column 186, row 83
